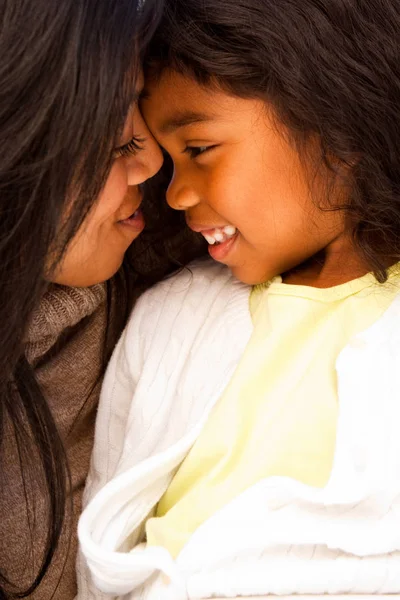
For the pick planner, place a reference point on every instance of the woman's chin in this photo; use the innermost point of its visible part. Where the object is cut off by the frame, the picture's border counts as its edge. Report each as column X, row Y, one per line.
column 87, row 275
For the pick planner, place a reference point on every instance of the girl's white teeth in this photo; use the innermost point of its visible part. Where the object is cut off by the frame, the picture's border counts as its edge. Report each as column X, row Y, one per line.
column 229, row 229
column 209, row 239
column 220, row 235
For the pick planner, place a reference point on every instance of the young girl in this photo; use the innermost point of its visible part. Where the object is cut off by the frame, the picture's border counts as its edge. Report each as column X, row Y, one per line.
column 248, row 434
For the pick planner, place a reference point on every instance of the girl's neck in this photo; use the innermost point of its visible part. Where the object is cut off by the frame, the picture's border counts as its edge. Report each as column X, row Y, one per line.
column 338, row 263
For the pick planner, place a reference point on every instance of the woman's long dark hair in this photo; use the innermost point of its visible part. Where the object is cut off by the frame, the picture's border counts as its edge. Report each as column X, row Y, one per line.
column 67, row 78
column 330, row 68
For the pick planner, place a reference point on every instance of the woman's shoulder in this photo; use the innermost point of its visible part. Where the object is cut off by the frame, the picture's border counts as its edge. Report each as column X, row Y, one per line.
column 199, row 274
column 197, row 285
column 203, row 292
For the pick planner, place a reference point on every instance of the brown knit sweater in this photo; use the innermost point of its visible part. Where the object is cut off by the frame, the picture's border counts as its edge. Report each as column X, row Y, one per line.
column 65, row 345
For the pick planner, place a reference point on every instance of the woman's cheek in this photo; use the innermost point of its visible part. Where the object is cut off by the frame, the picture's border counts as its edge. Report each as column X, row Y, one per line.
column 114, row 192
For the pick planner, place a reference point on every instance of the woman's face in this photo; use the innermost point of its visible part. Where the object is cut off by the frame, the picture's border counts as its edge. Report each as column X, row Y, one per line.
column 97, row 250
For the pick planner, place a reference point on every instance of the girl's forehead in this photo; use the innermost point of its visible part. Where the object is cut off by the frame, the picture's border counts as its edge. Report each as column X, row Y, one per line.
column 174, row 90
column 175, row 101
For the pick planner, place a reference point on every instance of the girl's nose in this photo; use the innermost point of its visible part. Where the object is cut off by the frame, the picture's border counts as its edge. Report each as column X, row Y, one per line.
column 181, row 196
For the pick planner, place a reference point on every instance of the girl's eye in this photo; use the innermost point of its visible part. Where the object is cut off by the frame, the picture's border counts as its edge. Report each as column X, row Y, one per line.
column 130, row 148
column 195, row 151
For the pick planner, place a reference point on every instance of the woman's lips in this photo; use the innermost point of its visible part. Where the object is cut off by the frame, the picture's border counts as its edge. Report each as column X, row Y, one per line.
column 135, row 221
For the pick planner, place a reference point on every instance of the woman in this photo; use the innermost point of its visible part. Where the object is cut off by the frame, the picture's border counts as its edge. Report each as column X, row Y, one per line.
column 75, row 152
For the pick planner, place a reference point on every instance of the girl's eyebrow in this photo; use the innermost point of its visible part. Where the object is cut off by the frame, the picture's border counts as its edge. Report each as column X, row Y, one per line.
column 182, row 119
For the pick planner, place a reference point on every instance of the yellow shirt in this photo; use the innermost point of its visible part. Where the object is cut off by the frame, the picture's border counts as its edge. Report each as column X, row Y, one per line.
column 278, row 414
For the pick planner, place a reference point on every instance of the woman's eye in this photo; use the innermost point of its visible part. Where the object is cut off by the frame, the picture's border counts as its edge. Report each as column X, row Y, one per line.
column 195, row 151
column 130, row 148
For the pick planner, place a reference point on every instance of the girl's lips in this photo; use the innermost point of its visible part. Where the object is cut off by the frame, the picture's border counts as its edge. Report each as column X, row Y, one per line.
column 135, row 221
column 220, row 251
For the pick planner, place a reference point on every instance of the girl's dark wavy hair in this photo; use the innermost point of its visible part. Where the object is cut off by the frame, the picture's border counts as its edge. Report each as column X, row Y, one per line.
column 329, row 68
column 67, row 78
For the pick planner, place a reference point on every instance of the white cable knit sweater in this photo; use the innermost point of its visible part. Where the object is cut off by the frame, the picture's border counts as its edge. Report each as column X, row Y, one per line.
column 177, row 354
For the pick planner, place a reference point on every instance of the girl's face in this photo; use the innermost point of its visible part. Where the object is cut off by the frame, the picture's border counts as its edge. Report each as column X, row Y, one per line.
column 97, row 250
column 239, row 180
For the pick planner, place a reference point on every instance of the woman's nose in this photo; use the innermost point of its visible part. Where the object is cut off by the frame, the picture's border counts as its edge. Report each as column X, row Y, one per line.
column 181, row 196
column 149, row 159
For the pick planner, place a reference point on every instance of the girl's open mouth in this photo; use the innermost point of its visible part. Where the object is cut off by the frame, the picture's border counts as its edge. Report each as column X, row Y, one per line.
column 219, row 249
